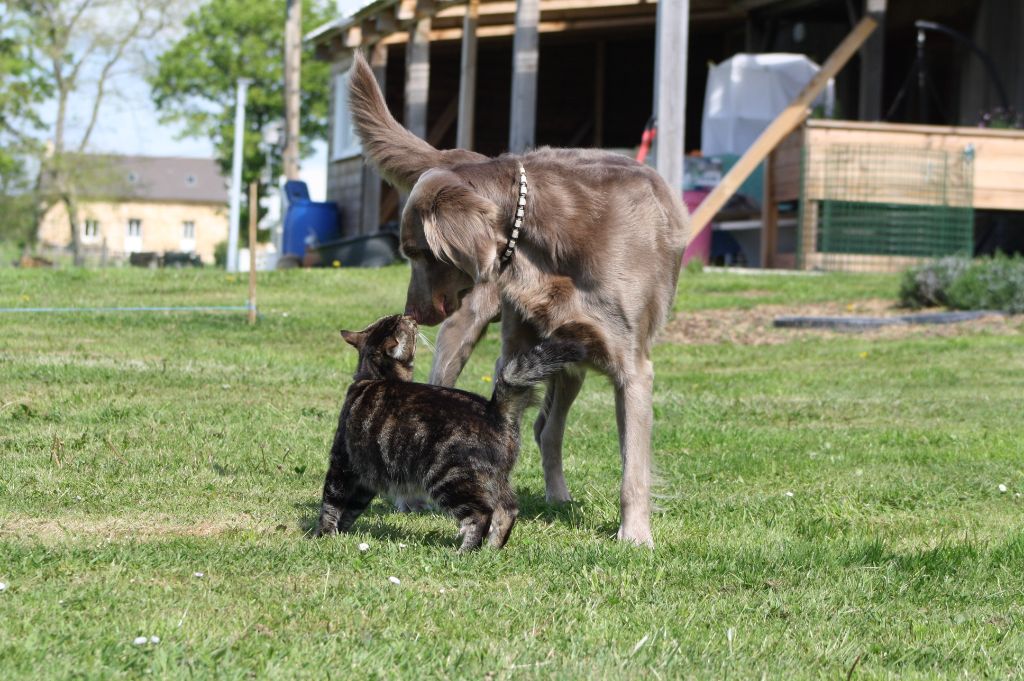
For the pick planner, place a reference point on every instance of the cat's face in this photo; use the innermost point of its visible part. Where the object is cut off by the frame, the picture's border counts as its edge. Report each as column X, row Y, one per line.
column 387, row 347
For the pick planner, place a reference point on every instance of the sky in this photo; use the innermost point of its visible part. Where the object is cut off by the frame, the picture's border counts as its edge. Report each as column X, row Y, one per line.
column 128, row 124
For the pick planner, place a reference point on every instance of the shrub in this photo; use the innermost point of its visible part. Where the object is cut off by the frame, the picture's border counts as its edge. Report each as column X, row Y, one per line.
column 220, row 254
column 989, row 284
column 926, row 286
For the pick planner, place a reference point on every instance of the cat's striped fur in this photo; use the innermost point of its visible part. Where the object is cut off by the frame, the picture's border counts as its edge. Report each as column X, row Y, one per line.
column 396, row 436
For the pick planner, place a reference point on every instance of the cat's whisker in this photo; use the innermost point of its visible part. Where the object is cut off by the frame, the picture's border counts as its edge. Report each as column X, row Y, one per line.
column 426, row 341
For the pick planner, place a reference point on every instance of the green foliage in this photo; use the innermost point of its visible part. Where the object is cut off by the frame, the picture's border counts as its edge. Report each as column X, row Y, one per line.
column 220, row 253
column 22, row 88
column 138, row 450
column 985, row 284
column 695, row 266
column 225, row 40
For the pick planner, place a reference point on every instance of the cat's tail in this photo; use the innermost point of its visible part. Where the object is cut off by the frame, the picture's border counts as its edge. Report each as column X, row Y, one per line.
column 514, row 386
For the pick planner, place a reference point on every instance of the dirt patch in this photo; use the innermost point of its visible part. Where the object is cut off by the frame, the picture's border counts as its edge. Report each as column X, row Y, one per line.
column 147, row 527
column 754, row 326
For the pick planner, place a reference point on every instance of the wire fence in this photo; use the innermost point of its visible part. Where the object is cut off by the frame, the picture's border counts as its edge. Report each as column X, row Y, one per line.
column 870, row 208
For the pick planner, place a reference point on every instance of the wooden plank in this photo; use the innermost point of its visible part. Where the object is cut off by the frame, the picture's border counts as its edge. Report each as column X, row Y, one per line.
column 808, row 234
column 503, row 30
column 670, row 64
column 858, row 262
column 369, row 219
column 824, row 124
column 525, row 62
column 467, row 77
column 417, row 77
column 783, row 124
column 769, row 217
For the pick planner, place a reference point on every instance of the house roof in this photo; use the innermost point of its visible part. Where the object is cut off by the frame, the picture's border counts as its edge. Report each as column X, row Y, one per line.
column 155, row 178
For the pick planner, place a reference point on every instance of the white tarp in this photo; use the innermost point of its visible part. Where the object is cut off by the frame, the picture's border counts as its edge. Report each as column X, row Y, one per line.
column 746, row 92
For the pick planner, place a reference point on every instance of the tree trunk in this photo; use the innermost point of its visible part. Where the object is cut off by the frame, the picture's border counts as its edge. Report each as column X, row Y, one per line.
column 71, row 205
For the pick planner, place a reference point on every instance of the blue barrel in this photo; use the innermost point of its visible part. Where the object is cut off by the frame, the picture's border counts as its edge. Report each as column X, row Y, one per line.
column 307, row 222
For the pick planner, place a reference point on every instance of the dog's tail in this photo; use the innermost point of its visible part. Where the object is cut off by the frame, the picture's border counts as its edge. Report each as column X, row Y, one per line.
column 514, row 386
column 400, row 155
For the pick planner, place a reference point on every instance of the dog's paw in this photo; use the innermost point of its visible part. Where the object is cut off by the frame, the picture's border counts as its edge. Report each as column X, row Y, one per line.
column 636, row 536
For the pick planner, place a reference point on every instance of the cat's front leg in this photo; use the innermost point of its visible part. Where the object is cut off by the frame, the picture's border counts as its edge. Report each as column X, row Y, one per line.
column 341, row 506
column 344, row 498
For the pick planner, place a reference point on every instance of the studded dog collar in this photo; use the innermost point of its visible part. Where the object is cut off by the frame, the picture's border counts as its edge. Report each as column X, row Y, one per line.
column 517, row 221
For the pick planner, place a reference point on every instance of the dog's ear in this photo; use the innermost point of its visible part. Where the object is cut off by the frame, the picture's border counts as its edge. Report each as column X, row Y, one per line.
column 458, row 224
column 355, row 338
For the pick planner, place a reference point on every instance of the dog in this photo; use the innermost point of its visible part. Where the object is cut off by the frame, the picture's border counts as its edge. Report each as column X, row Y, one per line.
column 578, row 244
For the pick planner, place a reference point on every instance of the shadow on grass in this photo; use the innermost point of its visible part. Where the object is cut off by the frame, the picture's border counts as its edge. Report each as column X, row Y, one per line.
column 376, row 522
column 533, row 507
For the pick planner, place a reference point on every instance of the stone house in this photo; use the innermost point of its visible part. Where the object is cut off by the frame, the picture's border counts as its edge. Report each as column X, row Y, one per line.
column 145, row 204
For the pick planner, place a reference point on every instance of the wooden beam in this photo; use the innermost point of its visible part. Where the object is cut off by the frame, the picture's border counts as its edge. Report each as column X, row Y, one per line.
column 292, row 77
column 872, row 65
column 671, row 50
column 502, row 30
column 369, row 222
column 769, row 216
column 467, row 77
column 784, row 123
column 525, row 61
column 417, row 77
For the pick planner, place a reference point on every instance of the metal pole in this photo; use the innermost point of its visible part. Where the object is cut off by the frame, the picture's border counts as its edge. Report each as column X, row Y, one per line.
column 234, row 211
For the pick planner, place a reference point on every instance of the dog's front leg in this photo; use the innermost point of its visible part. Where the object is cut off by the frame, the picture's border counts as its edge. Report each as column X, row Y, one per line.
column 633, row 410
column 456, row 339
column 460, row 333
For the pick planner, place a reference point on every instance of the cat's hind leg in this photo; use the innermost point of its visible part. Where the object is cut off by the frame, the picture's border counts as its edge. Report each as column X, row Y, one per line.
column 503, row 519
column 473, row 528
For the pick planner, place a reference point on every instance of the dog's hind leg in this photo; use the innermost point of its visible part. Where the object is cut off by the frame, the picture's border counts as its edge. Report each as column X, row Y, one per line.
column 634, row 413
column 549, row 430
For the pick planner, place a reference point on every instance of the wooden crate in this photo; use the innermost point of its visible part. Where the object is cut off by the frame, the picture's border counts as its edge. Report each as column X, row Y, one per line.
column 998, row 169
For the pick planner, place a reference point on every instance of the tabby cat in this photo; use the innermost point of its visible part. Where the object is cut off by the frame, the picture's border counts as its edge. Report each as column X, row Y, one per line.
column 399, row 437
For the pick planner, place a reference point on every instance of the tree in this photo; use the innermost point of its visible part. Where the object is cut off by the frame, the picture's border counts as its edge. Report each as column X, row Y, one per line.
column 225, row 40
column 23, row 88
column 76, row 47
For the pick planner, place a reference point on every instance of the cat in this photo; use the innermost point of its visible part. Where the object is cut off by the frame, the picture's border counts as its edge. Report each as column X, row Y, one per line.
column 396, row 436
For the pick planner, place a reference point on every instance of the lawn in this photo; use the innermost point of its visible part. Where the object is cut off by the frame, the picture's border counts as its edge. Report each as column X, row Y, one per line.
column 827, row 504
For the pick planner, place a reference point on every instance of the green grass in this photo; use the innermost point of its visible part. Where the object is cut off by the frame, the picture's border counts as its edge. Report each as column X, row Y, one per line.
column 139, row 449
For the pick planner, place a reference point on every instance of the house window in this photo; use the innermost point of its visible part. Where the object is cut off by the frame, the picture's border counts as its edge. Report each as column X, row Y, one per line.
column 188, row 229
column 92, row 229
column 344, row 143
column 190, row 180
column 135, row 227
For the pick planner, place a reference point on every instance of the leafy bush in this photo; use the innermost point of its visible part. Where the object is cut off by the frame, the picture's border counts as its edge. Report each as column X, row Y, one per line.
column 990, row 284
column 220, row 254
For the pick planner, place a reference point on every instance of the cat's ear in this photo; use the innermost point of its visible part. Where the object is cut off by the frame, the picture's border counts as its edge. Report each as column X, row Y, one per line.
column 354, row 338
